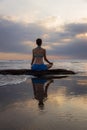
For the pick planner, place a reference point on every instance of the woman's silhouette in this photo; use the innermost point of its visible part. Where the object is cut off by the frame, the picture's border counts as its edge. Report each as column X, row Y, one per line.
column 40, row 87
column 38, row 55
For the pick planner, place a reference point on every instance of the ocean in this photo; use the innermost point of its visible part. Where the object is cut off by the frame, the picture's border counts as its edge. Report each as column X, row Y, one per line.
column 78, row 66
column 29, row 103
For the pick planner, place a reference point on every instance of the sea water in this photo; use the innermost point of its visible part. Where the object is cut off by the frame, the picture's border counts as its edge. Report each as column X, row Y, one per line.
column 64, row 99
column 78, row 66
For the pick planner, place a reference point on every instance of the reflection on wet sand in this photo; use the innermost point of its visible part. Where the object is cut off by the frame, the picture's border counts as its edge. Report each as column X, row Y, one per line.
column 62, row 104
column 40, row 87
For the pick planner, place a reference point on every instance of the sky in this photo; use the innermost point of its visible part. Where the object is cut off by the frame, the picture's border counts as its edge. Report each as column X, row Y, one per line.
column 62, row 25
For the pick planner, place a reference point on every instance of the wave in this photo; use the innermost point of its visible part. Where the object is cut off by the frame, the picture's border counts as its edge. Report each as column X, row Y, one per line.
column 74, row 65
column 12, row 79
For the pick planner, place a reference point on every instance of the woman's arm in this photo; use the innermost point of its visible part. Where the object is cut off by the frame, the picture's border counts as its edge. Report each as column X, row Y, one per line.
column 45, row 58
column 32, row 57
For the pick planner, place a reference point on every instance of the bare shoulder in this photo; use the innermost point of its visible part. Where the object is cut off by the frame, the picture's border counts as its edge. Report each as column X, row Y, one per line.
column 34, row 49
column 43, row 49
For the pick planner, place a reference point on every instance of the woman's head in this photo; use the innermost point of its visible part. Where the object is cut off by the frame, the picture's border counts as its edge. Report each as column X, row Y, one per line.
column 39, row 42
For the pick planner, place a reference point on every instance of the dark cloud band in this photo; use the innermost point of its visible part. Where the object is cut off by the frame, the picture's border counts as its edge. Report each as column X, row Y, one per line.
column 13, row 35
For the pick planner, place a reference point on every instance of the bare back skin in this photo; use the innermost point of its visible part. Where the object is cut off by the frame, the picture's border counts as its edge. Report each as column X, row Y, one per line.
column 39, row 55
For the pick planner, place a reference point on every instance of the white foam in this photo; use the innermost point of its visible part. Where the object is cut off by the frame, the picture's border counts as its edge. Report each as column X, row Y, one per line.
column 74, row 65
column 12, row 79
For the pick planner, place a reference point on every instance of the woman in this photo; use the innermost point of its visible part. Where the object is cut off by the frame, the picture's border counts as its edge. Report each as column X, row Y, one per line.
column 38, row 55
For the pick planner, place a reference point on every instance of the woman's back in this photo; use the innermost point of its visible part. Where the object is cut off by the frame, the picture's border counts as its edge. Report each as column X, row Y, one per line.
column 38, row 54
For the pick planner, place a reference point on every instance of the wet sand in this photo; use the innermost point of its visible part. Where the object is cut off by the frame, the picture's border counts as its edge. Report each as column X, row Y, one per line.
column 39, row 104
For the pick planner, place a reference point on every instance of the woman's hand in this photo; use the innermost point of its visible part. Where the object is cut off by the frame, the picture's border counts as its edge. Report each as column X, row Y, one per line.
column 51, row 63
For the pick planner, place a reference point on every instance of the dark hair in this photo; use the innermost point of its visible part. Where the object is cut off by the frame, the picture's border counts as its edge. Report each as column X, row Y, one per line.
column 39, row 42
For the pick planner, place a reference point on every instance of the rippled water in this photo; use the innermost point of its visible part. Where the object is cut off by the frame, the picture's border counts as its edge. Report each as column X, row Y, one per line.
column 42, row 104
column 79, row 66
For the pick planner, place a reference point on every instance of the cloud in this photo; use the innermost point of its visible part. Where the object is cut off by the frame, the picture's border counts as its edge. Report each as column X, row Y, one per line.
column 18, row 37
column 13, row 35
column 67, row 42
column 75, row 49
column 85, row 0
column 76, row 28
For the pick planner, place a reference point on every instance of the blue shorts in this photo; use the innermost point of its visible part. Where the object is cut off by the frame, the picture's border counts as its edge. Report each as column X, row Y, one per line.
column 39, row 67
column 38, row 81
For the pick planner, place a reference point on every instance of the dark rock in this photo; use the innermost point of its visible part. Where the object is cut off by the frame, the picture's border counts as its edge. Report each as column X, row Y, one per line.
column 36, row 73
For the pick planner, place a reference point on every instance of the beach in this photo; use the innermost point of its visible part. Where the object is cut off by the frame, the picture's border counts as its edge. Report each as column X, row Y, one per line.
column 29, row 103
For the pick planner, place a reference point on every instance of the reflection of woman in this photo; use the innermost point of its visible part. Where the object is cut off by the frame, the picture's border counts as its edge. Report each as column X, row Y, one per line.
column 37, row 59
column 40, row 87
